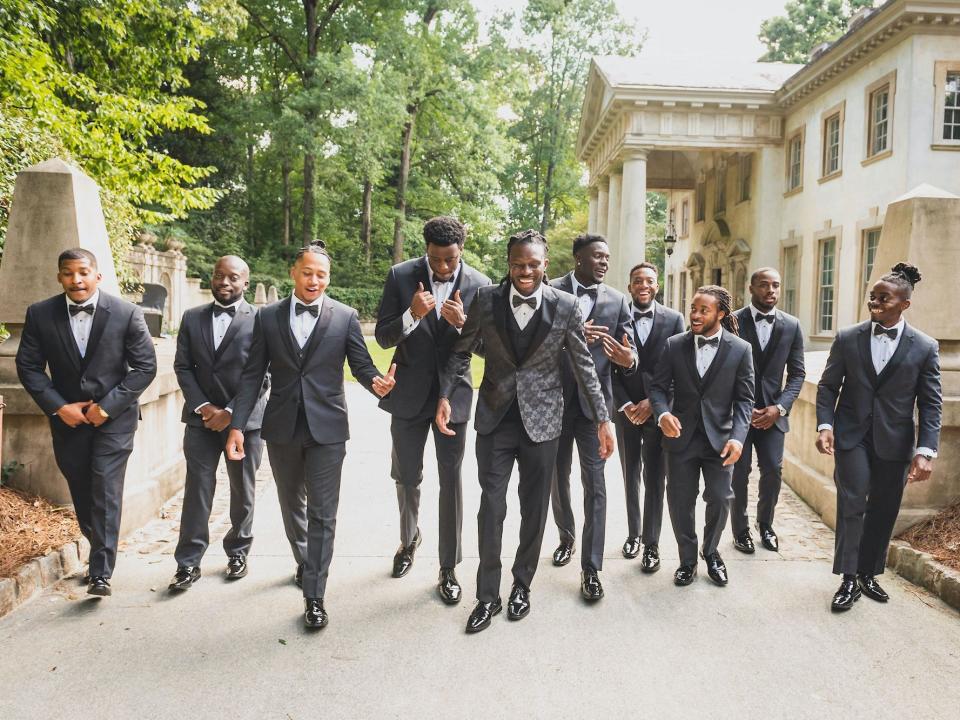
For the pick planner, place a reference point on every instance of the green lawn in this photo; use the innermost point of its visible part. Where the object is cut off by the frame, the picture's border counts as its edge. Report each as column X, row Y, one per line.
column 381, row 358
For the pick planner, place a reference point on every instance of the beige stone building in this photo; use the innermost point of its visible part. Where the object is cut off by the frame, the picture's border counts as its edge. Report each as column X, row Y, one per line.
column 775, row 164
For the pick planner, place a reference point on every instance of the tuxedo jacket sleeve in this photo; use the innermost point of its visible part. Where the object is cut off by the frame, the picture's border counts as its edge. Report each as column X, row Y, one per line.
column 470, row 341
column 254, row 371
column 743, row 394
column 141, row 361
column 929, row 401
column 32, row 365
column 796, row 372
column 828, row 389
column 358, row 357
column 581, row 362
column 193, row 394
column 389, row 329
column 661, row 386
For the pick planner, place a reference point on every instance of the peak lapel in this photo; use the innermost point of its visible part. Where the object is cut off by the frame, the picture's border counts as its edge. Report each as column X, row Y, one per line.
column 61, row 320
column 866, row 358
column 282, row 318
column 500, row 306
column 903, row 349
column 240, row 318
column 206, row 329
column 548, row 307
column 100, row 317
column 319, row 329
column 718, row 359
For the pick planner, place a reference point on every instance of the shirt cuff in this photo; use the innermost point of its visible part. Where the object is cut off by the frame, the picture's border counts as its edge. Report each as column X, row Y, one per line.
column 660, row 416
column 926, row 451
column 824, row 426
column 624, row 406
column 736, row 442
column 782, row 409
column 409, row 324
column 196, row 410
column 229, row 410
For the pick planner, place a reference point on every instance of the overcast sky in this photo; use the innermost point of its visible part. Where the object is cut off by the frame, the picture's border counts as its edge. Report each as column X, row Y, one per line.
column 713, row 28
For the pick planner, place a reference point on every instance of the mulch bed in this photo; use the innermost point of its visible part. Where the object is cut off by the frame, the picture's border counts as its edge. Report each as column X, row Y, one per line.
column 30, row 527
column 939, row 536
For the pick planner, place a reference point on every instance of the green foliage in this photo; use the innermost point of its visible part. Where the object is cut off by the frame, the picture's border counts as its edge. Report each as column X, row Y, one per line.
column 365, row 301
column 807, row 23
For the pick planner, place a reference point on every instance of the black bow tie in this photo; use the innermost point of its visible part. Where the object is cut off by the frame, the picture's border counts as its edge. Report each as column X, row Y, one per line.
column 77, row 309
column 437, row 280
column 312, row 309
column 765, row 318
column 219, row 310
column 879, row 329
column 701, row 341
column 646, row 314
column 591, row 291
column 531, row 301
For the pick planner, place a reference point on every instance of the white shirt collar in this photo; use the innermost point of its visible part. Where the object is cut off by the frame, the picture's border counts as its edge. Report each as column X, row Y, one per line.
column 92, row 300
column 538, row 294
column 294, row 300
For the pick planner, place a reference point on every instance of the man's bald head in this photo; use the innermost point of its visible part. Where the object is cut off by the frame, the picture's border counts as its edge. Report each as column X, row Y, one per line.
column 231, row 276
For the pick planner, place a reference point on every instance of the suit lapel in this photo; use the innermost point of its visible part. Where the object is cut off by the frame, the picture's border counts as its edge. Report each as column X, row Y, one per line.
column 690, row 358
column 283, row 327
column 61, row 320
column 206, row 329
column 748, row 331
column 775, row 334
column 866, row 358
column 100, row 317
column 239, row 318
column 500, row 306
column 903, row 349
column 548, row 307
column 319, row 329
column 718, row 359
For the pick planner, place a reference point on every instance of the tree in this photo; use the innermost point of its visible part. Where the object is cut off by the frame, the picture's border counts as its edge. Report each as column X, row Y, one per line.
column 808, row 23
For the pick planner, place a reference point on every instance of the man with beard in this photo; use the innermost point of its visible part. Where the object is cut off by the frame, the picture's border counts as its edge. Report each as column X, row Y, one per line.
column 212, row 346
column 639, row 438
column 604, row 310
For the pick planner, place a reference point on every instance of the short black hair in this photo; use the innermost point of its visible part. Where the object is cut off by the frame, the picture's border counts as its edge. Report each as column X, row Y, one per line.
column 316, row 247
column 527, row 237
column 759, row 271
column 444, row 231
column 582, row 241
column 905, row 276
column 644, row 266
column 77, row 254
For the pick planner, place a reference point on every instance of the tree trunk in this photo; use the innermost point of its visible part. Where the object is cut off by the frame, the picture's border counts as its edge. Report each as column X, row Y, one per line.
column 366, row 220
column 287, row 201
column 310, row 10
column 308, row 207
column 547, row 197
column 251, row 238
column 401, row 205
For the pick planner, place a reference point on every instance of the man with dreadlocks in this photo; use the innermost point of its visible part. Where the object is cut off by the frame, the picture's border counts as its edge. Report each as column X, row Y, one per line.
column 876, row 374
column 710, row 371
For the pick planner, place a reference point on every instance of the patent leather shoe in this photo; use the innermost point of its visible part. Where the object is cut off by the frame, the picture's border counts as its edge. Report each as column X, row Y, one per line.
column 448, row 587
column 744, row 542
column 684, row 575
column 99, row 586
column 563, row 553
column 650, row 562
column 185, row 577
column 482, row 614
column 314, row 615
column 403, row 560
column 631, row 548
column 716, row 569
column 518, row 607
column 236, row 567
column 846, row 595
column 871, row 588
column 590, row 586
column 768, row 538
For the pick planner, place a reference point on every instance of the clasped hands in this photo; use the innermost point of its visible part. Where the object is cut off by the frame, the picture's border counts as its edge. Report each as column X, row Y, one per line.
column 671, row 427
column 86, row 412
column 452, row 309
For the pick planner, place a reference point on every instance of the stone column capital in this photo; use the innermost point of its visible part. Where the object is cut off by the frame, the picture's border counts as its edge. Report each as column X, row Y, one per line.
column 603, row 183
column 636, row 153
column 593, row 192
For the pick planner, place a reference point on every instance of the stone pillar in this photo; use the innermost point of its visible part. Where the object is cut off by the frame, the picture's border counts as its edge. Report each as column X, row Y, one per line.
column 614, row 272
column 603, row 188
column 633, row 212
column 272, row 295
column 592, row 213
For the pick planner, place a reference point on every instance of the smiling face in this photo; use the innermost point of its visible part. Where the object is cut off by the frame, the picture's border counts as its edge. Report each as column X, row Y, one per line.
column 643, row 287
column 765, row 290
column 79, row 279
column 887, row 303
column 705, row 314
column 230, row 278
column 443, row 260
column 310, row 275
column 528, row 263
column 592, row 263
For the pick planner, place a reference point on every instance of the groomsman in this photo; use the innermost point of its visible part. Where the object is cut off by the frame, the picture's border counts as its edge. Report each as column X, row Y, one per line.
column 212, row 346
column 422, row 313
column 638, row 437
column 878, row 373
column 525, row 327
column 303, row 341
column 604, row 309
column 711, row 372
column 777, row 342
column 100, row 358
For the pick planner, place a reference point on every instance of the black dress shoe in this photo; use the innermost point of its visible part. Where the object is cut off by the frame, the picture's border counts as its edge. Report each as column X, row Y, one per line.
column 846, row 595
column 236, row 567
column 768, row 538
column 563, row 553
column 716, row 569
column 650, row 562
column 684, row 575
column 518, row 606
column 590, row 586
column 99, row 586
column 631, row 548
column 871, row 588
column 744, row 542
column 314, row 616
column 185, row 577
column 403, row 560
column 298, row 576
column 448, row 586
column 482, row 614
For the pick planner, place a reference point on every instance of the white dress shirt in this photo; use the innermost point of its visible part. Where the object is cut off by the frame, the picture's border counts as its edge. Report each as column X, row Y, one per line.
column 302, row 325
column 221, row 323
column 585, row 301
column 644, row 325
column 523, row 313
column 82, row 323
column 706, row 354
column 442, row 292
column 764, row 328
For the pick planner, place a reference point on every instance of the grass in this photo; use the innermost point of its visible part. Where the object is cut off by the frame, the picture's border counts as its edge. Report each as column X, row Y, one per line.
column 382, row 358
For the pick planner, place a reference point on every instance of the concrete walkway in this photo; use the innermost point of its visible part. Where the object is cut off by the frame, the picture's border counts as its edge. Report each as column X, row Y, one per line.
column 765, row 646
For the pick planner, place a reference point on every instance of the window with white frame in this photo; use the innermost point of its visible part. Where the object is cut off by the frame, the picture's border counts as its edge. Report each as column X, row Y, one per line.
column 879, row 126
column 826, row 281
column 951, row 106
column 669, row 297
column 790, row 279
column 795, row 161
column 685, row 218
column 682, row 306
column 871, row 241
column 831, row 145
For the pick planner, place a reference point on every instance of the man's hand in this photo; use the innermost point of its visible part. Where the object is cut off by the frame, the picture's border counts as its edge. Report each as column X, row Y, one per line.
column 235, row 445
column 607, row 441
column 825, row 442
column 619, row 352
column 731, row 452
column 219, row 421
column 638, row 413
column 208, row 411
column 920, row 469
column 73, row 413
column 593, row 333
column 443, row 416
column 764, row 418
column 383, row 385
column 422, row 303
column 452, row 311
column 670, row 425
column 94, row 415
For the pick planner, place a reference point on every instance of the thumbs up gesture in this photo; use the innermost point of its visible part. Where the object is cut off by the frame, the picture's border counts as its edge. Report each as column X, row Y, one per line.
column 452, row 311
column 422, row 303
column 619, row 352
column 383, row 385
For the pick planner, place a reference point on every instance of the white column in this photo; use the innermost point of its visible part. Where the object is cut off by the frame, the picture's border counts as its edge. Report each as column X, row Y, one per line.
column 602, row 204
column 633, row 212
column 613, row 231
column 592, row 213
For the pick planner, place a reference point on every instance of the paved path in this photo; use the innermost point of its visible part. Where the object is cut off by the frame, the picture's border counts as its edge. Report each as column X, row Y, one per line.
column 765, row 646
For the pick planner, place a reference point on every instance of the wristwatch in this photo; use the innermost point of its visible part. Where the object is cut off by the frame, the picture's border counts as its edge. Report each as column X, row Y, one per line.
column 782, row 409
column 928, row 456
